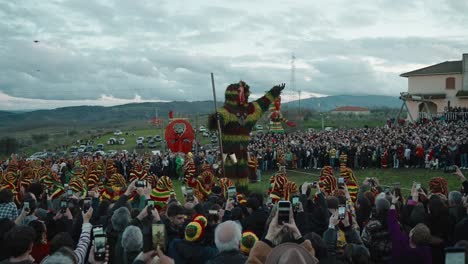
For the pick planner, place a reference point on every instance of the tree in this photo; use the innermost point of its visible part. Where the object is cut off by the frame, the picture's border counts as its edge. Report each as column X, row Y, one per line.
column 38, row 138
column 8, row 145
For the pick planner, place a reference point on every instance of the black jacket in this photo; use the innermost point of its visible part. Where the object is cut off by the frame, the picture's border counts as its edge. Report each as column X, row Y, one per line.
column 255, row 222
column 316, row 214
column 229, row 257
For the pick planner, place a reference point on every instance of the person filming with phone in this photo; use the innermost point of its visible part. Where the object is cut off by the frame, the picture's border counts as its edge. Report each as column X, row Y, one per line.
column 283, row 242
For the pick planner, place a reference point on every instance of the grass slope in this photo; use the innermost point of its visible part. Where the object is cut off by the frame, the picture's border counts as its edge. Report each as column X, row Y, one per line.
column 406, row 177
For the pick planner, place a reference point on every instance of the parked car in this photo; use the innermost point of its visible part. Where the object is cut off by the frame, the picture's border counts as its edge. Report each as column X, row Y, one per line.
column 112, row 141
column 118, row 133
column 140, row 145
column 202, row 129
column 121, row 141
column 100, row 147
column 140, row 140
column 258, row 127
column 100, row 153
column 148, row 138
column 82, row 149
column 111, row 153
column 214, row 139
column 38, row 155
column 158, row 138
column 73, row 149
column 89, row 148
column 151, row 144
column 206, row 134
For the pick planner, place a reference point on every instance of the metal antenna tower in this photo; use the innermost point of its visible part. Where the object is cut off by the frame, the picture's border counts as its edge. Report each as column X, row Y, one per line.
column 293, row 79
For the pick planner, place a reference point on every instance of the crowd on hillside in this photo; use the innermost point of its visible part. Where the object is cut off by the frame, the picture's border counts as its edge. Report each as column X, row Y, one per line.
column 435, row 145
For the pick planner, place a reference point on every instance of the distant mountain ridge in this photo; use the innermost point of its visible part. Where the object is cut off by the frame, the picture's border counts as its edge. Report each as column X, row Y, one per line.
column 329, row 103
column 91, row 115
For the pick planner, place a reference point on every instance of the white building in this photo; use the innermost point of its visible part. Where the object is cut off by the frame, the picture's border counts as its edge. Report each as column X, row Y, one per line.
column 434, row 89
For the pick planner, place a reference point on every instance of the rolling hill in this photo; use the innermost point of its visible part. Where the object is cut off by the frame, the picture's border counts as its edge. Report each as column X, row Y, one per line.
column 99, row 116
column 331, row 102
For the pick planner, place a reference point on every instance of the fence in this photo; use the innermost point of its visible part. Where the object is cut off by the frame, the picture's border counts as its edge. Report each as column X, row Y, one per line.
column 450, row 116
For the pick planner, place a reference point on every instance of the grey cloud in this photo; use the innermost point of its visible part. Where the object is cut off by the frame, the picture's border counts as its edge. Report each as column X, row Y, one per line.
column 157, row 49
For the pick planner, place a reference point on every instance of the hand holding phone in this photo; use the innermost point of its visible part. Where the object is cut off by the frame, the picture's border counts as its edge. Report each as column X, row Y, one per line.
column 284, row 209
column 341, row 212
column 100, row 247
column 63, row 206
column 26, row 206
column 86, row 205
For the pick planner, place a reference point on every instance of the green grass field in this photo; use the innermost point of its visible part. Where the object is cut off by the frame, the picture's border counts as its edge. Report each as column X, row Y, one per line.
column 405, row 177
column 133, row 134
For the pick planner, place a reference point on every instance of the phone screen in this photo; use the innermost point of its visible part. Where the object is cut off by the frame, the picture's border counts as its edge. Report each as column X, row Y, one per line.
column 99, row 247
column 295, row 200
column 63, row 204
column 232, row 192
column 69, row 192
column 98, row 231
column 213, row 212
column 158, row 232
column 150, row 203
column 86, row 205
column 283, row 212
column 455, row 257
column 184, row 190
column 341, row 212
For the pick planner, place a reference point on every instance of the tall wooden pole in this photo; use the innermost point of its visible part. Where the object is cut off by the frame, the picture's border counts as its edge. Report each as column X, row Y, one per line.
column 220, row 138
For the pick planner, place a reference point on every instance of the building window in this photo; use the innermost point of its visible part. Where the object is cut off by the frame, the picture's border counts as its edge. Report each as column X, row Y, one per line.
column 450, row 83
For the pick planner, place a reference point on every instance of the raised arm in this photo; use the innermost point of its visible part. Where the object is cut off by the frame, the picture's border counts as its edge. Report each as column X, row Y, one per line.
column 270, row 96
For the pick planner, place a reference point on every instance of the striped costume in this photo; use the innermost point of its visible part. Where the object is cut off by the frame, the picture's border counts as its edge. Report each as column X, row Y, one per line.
column 237, row 118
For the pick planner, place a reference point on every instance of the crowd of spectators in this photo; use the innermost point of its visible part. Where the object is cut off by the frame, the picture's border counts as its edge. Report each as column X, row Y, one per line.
column 434, row 145
column 381, row 226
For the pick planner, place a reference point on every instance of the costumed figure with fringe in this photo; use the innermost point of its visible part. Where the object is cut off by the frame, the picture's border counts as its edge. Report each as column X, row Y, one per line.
column 237, row 119
column 277, row 184
column 225, row 183
column 162, row 192
column 327, row 182
column 276, row 117
column 204, row 182
column 189, row 169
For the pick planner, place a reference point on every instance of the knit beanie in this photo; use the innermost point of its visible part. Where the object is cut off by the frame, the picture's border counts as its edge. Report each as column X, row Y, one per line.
column 248, row 241
column 194, row 231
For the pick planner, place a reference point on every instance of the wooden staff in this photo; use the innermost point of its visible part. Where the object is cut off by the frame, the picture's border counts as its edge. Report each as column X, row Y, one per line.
column 219, row 124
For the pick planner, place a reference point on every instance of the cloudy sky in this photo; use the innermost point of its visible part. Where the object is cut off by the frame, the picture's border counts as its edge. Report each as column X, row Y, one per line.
column 110, row 52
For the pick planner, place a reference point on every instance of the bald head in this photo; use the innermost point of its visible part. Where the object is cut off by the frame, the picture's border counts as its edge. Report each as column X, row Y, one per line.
column 228, row 236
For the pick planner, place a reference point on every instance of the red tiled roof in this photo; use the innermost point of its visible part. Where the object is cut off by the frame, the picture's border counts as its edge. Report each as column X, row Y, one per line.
column 350, row 109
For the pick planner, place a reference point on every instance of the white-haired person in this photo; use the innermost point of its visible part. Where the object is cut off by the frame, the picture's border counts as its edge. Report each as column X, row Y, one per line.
column 227, row 239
